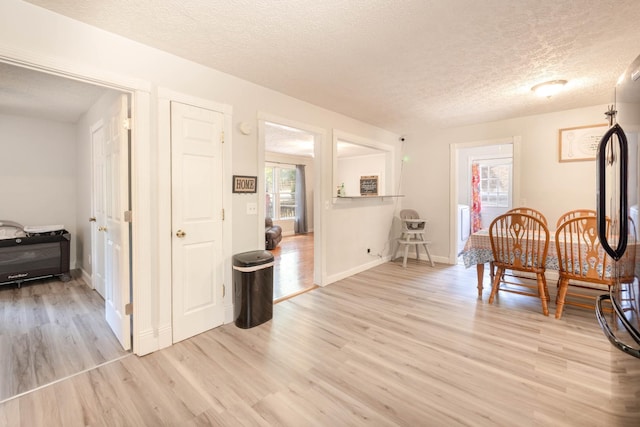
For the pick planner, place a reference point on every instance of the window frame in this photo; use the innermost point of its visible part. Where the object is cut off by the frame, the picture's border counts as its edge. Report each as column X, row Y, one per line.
column 487, row 165
column 276, row 191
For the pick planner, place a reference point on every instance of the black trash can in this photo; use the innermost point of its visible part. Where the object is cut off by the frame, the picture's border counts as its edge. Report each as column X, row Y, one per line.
column 252, row 288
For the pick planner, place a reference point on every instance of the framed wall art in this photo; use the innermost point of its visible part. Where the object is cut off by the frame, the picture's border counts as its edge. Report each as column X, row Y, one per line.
column 369, row 185
column 245, row 184
column 580, row 143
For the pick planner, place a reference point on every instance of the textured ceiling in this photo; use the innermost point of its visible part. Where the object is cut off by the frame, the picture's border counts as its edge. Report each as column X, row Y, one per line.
column 398, row 64
column 25, row 92
column 286, row 140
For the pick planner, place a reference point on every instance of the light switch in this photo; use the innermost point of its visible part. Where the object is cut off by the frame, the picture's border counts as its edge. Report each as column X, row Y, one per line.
column 252, row 208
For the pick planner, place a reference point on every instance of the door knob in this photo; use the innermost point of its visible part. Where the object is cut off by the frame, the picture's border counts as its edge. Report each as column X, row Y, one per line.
column 180, row 233
column 92, row 219
column 102, row 228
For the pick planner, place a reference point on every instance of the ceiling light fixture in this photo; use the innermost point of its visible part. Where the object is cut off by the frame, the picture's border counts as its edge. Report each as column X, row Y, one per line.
column 548, row 89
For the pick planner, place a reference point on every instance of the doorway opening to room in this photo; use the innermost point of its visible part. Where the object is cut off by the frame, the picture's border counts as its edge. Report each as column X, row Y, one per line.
column 484, row 186
column 56, row 328
column 289, row 187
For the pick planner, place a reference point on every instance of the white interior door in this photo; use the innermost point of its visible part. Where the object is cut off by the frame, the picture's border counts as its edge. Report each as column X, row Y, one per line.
column 196, row 180
column 98, row 241
column 116, row 228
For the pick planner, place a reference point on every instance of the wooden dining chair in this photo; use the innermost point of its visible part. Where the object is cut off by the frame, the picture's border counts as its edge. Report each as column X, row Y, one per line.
column 529, row 211
column 519, row 243
column 585, row 269
column 576, row 213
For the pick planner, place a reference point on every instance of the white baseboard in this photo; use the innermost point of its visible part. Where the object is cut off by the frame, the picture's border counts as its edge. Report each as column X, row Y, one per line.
column 438, row 259
column 86, row 277
column 359, row 269
column 151, row 341
column 228, row 314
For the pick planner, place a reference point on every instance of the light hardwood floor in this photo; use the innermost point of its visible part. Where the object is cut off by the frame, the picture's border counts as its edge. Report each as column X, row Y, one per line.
column 386, row 347
column 49, row 330
column 293, row 270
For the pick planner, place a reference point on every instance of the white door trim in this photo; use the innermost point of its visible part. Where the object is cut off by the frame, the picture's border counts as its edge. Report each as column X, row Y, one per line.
column 71, row 70
column 454, row 168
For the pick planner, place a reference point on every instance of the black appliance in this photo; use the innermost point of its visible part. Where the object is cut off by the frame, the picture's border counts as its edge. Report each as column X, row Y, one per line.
column 618, row 199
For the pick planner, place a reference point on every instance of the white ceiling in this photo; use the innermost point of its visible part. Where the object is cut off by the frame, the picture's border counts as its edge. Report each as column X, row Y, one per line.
column 398, row 64
column 287, row 140
column 25, row 92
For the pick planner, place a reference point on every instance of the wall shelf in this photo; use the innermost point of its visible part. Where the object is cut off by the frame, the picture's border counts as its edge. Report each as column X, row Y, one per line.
column 367, row 197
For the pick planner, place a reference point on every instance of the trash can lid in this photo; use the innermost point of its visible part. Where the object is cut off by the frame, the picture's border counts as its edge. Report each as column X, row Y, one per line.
column 252, row 258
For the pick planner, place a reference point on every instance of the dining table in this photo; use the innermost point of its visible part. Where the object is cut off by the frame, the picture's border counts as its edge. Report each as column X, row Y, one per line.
column 477, row 251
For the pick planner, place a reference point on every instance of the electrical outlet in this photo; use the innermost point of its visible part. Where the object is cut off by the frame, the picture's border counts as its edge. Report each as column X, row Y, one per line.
column 252, row 208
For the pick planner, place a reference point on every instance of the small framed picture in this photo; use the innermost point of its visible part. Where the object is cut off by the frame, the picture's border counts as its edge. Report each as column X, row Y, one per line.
column 369, row 185
column 580, row 143
column 245, row 184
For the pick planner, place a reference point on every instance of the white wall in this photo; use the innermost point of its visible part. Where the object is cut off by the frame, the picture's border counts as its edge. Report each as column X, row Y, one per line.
column 545, row 183
column 37, row 173
column 350, row 169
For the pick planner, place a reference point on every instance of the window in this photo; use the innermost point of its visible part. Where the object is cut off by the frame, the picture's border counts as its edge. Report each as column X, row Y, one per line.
column 495, row 183
column 280, row 188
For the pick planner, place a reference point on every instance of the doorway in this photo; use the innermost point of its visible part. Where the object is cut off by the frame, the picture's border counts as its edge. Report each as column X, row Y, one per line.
column 484, row 184
column 60, row 327
column 290, row 187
